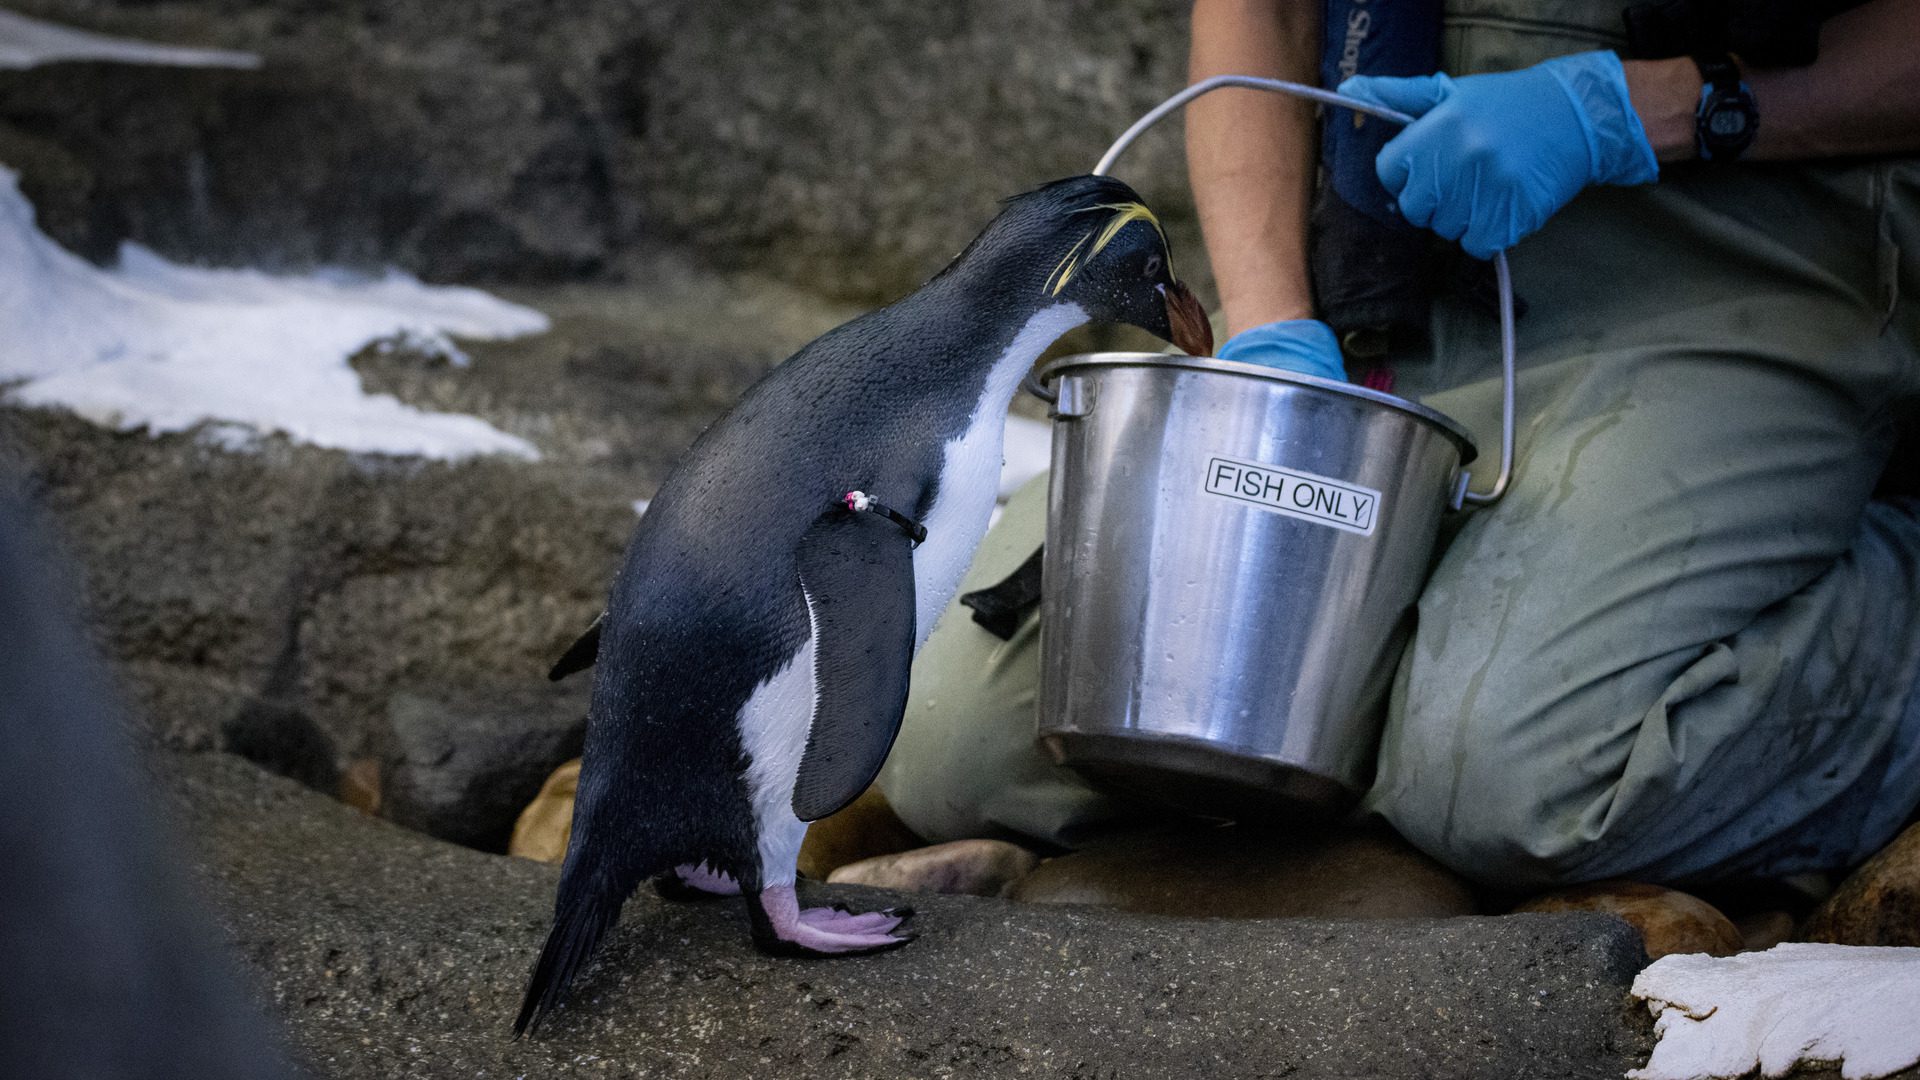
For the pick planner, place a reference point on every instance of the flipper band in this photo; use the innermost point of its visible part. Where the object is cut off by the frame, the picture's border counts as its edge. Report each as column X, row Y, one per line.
column 860, row 500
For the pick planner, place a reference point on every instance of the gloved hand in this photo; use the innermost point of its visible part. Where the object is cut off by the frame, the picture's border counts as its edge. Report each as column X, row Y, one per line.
column 1489, row 158
column 1303, row 345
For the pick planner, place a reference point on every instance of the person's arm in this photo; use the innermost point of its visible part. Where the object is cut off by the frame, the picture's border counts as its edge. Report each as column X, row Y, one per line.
column 1251, row 155
column 1861, row 97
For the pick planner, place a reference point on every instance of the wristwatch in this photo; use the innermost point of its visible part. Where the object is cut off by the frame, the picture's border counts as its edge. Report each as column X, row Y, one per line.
column 1727, row 120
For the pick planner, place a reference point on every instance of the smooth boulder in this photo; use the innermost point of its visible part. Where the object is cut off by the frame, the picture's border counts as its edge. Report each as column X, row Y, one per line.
column 543, row 829
column 1239, row 872
column 1879, row 904
column 957, row 867
column 1669, row 921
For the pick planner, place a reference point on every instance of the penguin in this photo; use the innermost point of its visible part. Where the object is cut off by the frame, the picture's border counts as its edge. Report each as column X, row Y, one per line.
column 752, row 658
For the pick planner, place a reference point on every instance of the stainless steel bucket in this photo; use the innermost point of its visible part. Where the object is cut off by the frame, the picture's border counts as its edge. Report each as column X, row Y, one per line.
column 1233, row 554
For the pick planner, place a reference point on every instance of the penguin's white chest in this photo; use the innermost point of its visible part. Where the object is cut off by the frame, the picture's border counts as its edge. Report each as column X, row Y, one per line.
column 970, row 470
column 962, row 506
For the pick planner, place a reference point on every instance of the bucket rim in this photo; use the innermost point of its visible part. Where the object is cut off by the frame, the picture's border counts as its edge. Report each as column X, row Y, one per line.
column 1448, row 426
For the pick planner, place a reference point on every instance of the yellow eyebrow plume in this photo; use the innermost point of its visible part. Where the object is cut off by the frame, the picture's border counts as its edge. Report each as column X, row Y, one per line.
column 1123, row 215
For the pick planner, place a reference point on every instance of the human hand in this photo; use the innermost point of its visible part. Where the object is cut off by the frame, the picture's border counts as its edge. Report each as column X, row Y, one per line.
column 1306, row 346
column 1489, row 158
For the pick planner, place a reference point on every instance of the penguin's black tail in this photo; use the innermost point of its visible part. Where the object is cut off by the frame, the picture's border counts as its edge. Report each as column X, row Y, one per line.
column 590, row 900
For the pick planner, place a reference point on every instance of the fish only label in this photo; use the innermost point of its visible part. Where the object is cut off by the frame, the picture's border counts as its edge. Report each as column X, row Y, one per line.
column 1296, row 494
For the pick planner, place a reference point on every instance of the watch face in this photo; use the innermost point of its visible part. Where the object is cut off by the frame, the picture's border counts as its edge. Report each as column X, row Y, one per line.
column 1726, row 120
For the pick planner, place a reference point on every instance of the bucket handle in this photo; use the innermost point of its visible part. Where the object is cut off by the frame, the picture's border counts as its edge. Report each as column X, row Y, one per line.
column 1461, row 493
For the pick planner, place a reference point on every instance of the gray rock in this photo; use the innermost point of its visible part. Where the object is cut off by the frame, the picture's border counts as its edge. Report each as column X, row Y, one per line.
column 274, row 602
column 463, row 769
column 391, row 954
column 848, row 147
column 860, row 145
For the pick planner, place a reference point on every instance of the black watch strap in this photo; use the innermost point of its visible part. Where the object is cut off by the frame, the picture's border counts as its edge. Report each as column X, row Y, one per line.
column 1728, row 118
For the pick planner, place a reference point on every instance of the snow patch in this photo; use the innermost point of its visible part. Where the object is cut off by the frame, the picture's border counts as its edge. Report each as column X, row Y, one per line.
column 152, row 344
column 1727, row 1016
column 26, row 43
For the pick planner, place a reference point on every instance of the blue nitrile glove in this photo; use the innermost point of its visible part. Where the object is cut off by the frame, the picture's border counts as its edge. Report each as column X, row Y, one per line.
column 1489, row 158
column 1303, row 345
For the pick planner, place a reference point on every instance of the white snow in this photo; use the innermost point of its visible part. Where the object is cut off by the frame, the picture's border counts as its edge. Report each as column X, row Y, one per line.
column 155, row 345
column 1726, row 1016
column 26, row 43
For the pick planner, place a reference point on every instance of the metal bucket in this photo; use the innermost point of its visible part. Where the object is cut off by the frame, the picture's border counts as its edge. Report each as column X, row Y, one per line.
column 1233, row 554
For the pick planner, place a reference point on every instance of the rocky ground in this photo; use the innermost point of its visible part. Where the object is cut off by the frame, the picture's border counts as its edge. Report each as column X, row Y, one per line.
column 391, row 954
column 388, row 953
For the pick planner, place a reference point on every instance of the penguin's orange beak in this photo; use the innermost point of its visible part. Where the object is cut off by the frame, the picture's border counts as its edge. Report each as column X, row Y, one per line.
column 1192, row 333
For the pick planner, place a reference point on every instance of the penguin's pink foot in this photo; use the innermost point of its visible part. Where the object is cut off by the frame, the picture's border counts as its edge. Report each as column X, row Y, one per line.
column 693, row 881
column 781, row 928
column 838, row 920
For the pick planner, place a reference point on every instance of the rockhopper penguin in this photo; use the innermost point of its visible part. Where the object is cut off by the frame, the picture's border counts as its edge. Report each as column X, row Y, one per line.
column 753, row 656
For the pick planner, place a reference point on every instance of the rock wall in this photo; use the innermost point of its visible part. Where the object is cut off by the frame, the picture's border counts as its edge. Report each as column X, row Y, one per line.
column 850, row 147
column 308, row 609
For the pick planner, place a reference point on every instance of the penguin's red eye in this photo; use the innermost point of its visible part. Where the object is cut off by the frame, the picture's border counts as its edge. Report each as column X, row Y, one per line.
column 1152, row 268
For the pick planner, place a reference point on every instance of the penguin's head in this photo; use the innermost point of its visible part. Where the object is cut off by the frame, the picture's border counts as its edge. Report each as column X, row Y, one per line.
column 1095, row 244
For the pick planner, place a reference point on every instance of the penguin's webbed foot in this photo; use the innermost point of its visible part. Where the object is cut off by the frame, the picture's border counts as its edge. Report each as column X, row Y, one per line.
column 782, row 928
column 693, row 881
column 839, row 920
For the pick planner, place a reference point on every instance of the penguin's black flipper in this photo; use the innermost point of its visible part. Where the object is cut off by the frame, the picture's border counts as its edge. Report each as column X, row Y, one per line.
column 857, row 570
column 581, row 654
